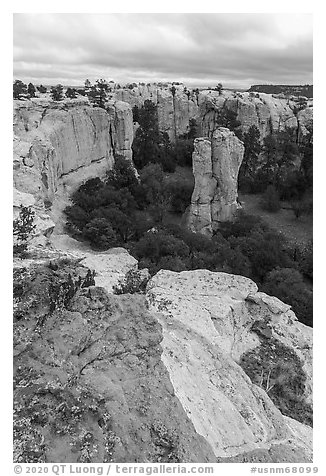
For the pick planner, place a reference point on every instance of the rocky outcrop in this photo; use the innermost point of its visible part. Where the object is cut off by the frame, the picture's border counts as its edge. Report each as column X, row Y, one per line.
column 216, row 164
column 110, row 267
column 268, row 113
column 203, row 368
column 211, row 322
column 305, row 123
column 89, row 382
column 174, row 109
column 59, row 145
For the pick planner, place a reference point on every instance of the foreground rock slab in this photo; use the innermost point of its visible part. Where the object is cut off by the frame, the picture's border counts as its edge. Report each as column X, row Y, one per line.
column 210, row 322
column 89, row 383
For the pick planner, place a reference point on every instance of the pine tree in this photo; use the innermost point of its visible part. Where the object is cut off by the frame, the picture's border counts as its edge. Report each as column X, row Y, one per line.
column 31, row 90
column 57, row 92
column 71, row 93
column 19, row 89
column 23, row 229
column 42, row 89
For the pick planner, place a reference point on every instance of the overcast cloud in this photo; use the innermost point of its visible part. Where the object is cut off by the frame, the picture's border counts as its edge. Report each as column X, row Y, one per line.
column 197, row 49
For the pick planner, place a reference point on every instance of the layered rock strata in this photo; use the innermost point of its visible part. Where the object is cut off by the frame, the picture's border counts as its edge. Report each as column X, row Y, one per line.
column 216, row 165
column 59, row 145
column 269, row 113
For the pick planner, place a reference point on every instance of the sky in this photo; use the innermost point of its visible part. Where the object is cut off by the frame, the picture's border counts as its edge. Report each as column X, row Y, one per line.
column 197, row 49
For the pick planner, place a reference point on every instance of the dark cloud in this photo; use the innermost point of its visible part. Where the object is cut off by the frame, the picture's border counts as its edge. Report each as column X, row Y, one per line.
column 237, row 49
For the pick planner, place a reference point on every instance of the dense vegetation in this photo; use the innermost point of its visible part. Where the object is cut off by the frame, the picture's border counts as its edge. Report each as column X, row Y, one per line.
column 122, row 211
column 280, row 168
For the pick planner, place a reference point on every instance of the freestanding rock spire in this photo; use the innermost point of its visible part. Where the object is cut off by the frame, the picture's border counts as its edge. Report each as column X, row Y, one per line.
column 216, row 165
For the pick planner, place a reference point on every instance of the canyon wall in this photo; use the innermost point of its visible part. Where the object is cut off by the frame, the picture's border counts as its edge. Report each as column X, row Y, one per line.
column 269, row 113
column 216, row 165
column 58, row 145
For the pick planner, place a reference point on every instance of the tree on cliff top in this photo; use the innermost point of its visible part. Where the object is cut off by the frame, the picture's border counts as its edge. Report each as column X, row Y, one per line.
column 57, row 92
column 31, row 90
column 97, row 93
column 219, row 88
column 19, row 89
column 42, row 89
column 71, row 93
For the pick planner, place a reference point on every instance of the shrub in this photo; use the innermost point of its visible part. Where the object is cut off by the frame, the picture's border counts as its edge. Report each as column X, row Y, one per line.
column 122, row 175
column 134, row 282
column 287, row 284
column 100, row 234
column 154, row 246
column 301, row 207
column 243, row 225
column 121, row 223
column 305, row 260
column 271, row 200
column 155, row 191
column 265, row 250
column 23, row 230
column 77, row 216
column 181, row 192
column 278, row 370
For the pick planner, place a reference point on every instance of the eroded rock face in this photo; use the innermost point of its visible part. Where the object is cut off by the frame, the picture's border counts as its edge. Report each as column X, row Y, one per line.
column 210, row 320
column 59, row 145
column 269, row 113
column 216, row 165
column 174, row 110
column 187, row 376
column 89, row 383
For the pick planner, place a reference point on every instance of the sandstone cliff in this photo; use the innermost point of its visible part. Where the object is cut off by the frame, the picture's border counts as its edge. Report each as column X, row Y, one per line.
column 58, row 145
column 216, row 165
column 269, row 113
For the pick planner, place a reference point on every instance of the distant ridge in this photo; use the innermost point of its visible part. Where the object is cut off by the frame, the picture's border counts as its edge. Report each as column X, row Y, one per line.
column 291, row 90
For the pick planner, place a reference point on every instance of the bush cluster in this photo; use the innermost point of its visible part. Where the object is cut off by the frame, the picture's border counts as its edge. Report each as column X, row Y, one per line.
column 121, row 208
column 271, row 167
